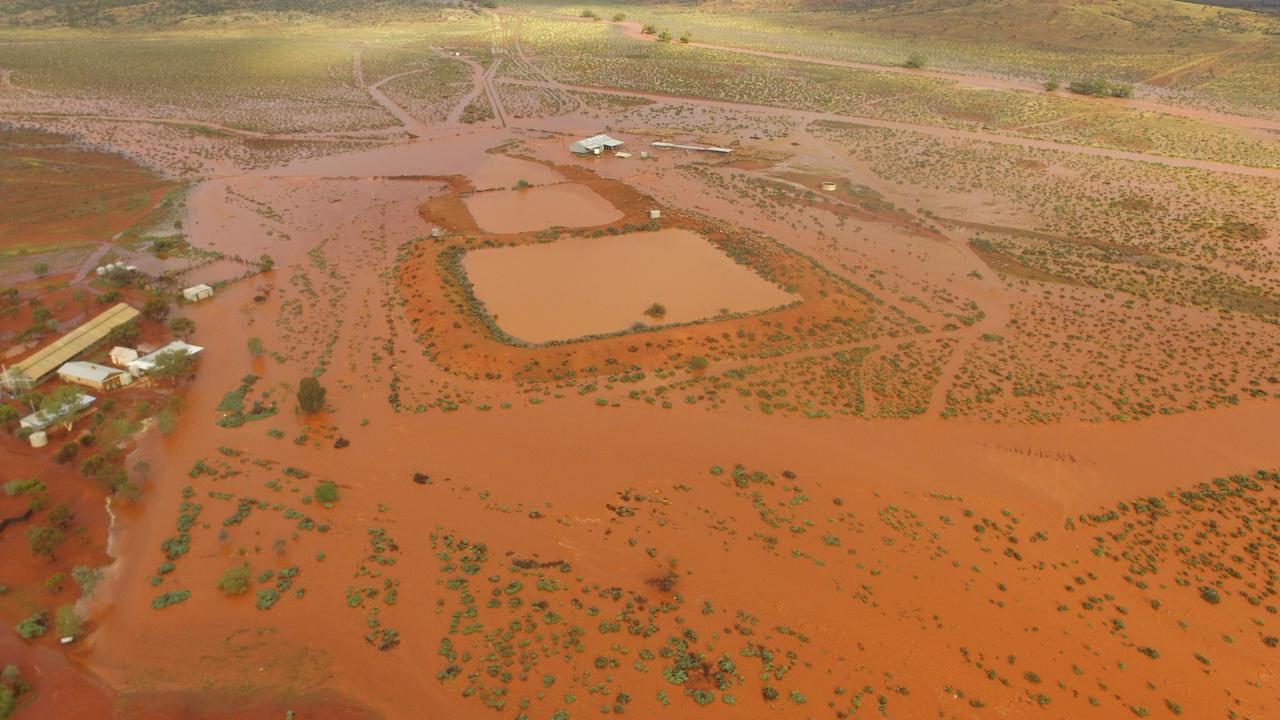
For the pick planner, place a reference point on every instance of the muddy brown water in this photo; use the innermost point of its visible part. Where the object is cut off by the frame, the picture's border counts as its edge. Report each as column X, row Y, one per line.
column 901, row 624
column 539, row 208
column 587, row 286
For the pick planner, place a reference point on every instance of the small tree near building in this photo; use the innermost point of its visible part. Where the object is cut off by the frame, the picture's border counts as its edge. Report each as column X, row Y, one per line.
column 125, row 334
column 182, row 327
column 8, row 416
column 172, row 365
column 311, row 395
column 62, row 405
column 156, row 309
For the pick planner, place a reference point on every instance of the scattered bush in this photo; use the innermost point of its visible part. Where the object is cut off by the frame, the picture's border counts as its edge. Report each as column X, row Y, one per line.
column 235, row 580
column 326, row 492
column 32, row 627
column 311, row 395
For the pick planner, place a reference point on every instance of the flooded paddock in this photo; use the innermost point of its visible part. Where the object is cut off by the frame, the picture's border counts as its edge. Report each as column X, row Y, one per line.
column 589, row 286
column 539, row 208
column 501, row 171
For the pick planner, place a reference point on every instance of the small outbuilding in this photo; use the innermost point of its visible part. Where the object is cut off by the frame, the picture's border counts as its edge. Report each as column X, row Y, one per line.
column 40, row 420
column 694, row 148
column 594, row 145
column 122, row 356
column 196, row 293
column 93, row 375
column 144, row 364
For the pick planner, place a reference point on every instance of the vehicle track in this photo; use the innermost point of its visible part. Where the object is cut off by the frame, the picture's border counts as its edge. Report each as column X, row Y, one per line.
column 943, row 132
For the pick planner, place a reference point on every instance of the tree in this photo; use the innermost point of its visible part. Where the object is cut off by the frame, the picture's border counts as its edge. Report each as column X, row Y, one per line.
column 67, row 621
column 664, row 36
column 1052, row 84
column 619, row 17
column 649, row 29
column 44, row 540
column 156, row 309
column 182, row 327
column 326, row 492
column 41, row 269
column 915, row 60
column 266, row 262
column 61, row 515
column 311, row 395
column 32, row 627
column 235, row 581
column 125, row 334
column 62, row 405
column 255, row 346
column 87, row 578
column 656, row 310
column 685, row 37
column 172, row 365
column 8, row 416
column 32, row 399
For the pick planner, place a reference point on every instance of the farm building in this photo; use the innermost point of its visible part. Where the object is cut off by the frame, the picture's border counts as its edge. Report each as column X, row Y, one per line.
column 93, row 375
column 145, row 363
column 594, row 145
column 41, row 365
column 40, row 420
column 196, row 293
column 696, row 148
column 122, row 356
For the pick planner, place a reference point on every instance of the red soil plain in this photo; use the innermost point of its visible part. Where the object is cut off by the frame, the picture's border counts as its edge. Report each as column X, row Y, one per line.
column 953, row 475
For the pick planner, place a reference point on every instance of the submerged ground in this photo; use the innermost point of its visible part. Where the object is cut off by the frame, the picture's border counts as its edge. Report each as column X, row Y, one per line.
column 988, row 430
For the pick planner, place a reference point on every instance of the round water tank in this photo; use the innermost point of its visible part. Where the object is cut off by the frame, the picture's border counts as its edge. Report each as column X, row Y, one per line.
column 39, row 439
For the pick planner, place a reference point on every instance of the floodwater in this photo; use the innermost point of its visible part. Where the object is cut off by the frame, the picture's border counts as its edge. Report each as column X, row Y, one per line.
column 503, row 171
column 539, row 208
column 588, row 286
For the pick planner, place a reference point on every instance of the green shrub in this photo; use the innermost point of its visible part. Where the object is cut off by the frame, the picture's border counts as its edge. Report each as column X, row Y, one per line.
column 235, row 581
column 326, row 492
column 164, row 600
column 311, row 395
column 68, row 622
column 32, row 627
column 267, row 598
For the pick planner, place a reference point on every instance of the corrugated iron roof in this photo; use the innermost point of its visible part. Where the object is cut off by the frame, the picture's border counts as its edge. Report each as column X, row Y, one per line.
column 596, row 141
column 47, row 359
column 87, row 371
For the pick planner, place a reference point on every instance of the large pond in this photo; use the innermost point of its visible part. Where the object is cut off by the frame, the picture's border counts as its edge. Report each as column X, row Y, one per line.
column 588, row 286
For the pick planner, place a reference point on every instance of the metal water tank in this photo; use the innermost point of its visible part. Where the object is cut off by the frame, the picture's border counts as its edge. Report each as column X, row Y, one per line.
column 39, row 439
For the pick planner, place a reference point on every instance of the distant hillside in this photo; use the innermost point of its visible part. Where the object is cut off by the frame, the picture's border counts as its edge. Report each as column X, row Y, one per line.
column 105, row 13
